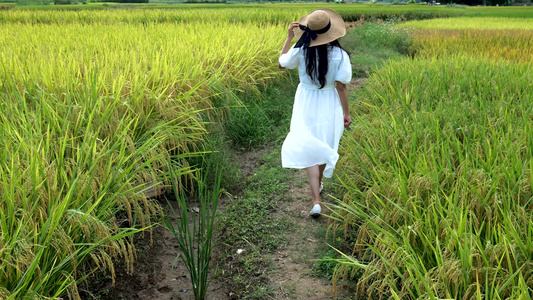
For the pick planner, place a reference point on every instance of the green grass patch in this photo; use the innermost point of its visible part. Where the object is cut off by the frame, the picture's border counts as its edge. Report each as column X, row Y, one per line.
column 500, row 12
column 372, row 45
column 262, row 117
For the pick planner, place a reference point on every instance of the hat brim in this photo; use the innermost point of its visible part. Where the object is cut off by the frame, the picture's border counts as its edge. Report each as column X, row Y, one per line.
column 336, row 31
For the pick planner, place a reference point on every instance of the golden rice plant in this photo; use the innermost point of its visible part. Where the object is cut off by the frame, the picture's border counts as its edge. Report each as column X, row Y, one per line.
column 485, row 23
column 217, row 14
column 489, row 38
column 437, row 171
column 92, row 113
column 256, row 13
column 512, row 45
column 145, row 61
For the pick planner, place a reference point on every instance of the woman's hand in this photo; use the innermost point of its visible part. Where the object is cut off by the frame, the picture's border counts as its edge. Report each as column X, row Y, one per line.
column 347, row 121
column 293, row 25
column 287, row 45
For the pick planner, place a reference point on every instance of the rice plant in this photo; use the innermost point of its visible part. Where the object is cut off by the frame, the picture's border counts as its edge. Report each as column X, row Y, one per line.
column 511, row 45
column 69, row 194
column 484, row 23
column 488, row 38
column 91, row 115
column 265, row 14
column 194, row 230
column 437, row 171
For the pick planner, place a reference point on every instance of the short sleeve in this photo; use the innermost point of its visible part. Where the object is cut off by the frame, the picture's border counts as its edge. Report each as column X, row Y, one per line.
column 344, row 72
column 289, row 60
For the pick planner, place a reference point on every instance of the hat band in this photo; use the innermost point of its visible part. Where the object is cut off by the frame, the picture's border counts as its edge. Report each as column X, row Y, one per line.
column 309, row 34
column 323, row 30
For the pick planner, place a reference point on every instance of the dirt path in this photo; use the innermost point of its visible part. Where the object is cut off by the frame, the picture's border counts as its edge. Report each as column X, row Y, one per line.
column 291, row 277
column 292, row 272
column 160, row 275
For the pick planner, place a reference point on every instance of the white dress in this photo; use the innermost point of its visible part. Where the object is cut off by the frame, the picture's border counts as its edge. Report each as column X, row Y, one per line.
column 317, row 118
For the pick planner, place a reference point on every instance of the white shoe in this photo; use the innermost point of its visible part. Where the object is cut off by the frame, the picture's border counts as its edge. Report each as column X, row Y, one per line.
column 321, row 188
column 315, row 212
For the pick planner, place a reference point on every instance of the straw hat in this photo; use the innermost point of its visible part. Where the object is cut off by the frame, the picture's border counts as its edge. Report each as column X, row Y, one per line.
column 319, row 27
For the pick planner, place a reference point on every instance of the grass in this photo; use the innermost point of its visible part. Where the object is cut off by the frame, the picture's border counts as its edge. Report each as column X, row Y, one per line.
column 262, row 117
column 501, row 12
column 334, row 238
column 248, row 223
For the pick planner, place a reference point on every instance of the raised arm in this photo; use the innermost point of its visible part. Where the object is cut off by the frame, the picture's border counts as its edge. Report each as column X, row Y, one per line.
column 287, row 44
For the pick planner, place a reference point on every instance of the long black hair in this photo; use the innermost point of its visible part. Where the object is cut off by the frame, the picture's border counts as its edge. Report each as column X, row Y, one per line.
column 318, row 72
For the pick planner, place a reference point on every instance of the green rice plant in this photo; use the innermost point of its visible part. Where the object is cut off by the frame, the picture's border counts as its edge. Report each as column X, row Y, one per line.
column 500, row 12
column 194, row 229
column 437, row 171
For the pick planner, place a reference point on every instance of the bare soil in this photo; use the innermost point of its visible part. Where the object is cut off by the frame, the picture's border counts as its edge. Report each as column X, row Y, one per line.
column 158, row 273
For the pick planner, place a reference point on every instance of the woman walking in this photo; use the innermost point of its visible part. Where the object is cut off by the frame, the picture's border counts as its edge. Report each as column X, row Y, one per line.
column 320, row 112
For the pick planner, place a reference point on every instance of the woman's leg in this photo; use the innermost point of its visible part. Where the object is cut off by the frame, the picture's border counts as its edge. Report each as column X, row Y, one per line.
column 314, row 175
column 321, row 170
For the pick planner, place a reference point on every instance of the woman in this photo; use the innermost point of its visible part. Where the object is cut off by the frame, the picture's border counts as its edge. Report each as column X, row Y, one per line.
column 320, row 110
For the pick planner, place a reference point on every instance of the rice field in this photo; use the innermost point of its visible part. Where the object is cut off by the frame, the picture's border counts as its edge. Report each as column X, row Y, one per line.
column 491, row 38
column 438, row 167
column 97, row 106
column 465, row 23
column 94, row 115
